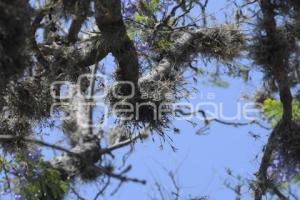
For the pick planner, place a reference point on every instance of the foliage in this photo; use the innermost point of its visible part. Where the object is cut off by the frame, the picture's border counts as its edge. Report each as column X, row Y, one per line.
column 272, row 109
column 31, row 178
column 47, row 183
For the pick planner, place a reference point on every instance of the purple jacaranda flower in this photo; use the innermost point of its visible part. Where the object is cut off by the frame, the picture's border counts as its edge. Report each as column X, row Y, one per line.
column 6, row 191
column 34, row 155
column 280, row 170
column 167, row 3
column 36, row 173
column 129, row 11
column 143, row 47
column 129, row 8
column 19, row 197
column 23, row 180
column 19, row 170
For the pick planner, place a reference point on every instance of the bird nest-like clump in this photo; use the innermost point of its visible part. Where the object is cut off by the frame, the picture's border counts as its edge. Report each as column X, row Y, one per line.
column 222, row 43
column 14, row 29
column 266, row 51
column 288, row 143
column 30, row 98
column 13, row 125
column 26, row 102
column 149, row 105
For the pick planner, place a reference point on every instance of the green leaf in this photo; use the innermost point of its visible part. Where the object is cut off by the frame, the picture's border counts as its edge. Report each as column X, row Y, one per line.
column 297, row 179
column 273, row 110
column 154, row 4
column 140, row 19
column 48, row 182
column 164, row 44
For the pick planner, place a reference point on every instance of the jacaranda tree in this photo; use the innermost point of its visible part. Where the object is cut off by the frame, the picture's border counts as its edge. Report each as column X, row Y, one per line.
column 52, row 47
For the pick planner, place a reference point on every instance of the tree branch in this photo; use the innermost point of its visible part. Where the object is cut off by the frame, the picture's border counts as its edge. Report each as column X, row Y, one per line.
column 115, row 39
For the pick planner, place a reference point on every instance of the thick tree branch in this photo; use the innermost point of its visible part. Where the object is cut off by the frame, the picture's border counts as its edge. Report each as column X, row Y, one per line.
column 278, row 63
column 213, row 42
column 115, row 39
column 82, row 11
column 12, row 138
column 277, row 66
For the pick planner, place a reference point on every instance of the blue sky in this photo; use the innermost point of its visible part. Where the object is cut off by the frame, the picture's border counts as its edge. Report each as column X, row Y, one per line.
column 203, row 158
